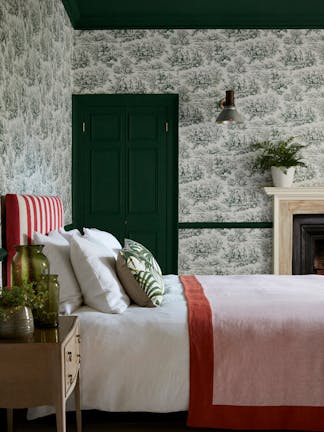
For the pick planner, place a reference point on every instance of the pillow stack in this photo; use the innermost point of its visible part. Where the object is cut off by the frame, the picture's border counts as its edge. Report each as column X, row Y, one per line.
column 86, row 266
column 140, row 274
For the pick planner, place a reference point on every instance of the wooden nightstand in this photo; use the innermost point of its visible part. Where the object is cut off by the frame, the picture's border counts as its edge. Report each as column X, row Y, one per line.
column 42, row 371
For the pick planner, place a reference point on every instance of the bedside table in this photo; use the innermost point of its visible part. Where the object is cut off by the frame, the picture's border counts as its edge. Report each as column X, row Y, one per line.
column 43, row 370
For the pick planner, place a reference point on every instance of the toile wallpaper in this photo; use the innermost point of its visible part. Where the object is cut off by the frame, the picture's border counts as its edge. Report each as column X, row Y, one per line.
column 36, row 42
column 225, row 251
column 278, row 78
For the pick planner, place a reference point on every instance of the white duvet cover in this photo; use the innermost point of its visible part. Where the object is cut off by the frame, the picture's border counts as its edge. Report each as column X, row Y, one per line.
column 139, row 360
column 135, row 361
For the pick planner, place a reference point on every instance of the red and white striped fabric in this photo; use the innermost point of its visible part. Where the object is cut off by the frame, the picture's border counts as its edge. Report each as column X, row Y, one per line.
column 25, row 214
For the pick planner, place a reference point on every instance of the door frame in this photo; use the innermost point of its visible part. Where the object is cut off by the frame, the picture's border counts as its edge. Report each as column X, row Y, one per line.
column 171, row 102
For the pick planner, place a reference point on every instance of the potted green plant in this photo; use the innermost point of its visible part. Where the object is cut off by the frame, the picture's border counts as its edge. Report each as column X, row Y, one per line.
column 281, row 158
column 16, row 318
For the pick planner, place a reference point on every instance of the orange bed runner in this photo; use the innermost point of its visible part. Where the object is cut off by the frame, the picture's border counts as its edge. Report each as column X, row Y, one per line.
column 202, row 412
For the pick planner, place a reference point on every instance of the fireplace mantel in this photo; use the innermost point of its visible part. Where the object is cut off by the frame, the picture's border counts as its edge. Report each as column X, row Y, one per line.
column 286, row 203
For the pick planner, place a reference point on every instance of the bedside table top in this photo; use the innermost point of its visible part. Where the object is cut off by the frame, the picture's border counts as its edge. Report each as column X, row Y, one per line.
column 54, row 335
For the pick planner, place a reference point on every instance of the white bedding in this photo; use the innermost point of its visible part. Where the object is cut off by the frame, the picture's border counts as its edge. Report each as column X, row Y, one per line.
column 139, row 360
column 135, row 361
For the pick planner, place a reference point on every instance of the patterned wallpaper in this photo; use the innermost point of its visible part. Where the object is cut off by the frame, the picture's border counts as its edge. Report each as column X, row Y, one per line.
column 36, row 42
column 229, row 251
column 278, row 77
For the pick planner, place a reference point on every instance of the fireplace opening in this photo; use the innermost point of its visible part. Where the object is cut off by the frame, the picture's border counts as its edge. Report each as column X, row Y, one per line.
column 319, row 257
column 308, row 244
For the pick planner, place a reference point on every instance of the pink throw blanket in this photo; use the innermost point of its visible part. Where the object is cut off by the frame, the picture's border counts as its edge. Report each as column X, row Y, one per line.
column 256, row 351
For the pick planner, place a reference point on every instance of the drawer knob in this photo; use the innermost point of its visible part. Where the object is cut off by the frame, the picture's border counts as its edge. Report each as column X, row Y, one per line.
column 69, row 356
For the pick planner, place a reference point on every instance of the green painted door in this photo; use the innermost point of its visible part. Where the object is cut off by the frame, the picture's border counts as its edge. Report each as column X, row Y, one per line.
column 125, row 173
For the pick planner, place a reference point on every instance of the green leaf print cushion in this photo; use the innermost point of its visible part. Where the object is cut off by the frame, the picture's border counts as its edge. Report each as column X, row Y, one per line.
column 140, row 274
column 143, row 253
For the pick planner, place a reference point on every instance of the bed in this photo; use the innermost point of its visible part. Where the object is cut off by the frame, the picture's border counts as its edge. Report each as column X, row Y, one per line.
column 237, row 352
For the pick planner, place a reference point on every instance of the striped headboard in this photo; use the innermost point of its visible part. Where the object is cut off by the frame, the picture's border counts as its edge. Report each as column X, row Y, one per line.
column 21, row 216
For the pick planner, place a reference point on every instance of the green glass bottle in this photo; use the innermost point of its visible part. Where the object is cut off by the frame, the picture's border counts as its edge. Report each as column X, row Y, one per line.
column 29, row 264
column 48, row 292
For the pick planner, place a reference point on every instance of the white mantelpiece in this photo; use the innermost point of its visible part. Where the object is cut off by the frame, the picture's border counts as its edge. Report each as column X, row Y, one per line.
column 286, row 203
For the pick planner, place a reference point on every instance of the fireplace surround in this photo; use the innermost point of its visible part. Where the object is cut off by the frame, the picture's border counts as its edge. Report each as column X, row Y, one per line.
column 290, row 204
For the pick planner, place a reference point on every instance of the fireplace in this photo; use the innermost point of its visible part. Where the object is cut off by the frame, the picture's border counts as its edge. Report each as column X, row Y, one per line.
column 308, row 244
column 298, row 230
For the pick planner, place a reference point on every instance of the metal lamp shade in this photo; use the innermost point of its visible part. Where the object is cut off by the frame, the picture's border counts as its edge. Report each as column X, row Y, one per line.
column 229, row 113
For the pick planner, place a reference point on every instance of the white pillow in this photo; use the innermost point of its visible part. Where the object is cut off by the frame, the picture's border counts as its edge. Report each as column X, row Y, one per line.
column 95, row 270
column 104, row 239
column 56, row 235
column 69, row 234
column 57, row 251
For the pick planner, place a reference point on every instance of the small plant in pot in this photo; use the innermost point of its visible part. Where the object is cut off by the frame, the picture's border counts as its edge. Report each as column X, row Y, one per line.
column 16, row 318
column 281, row 158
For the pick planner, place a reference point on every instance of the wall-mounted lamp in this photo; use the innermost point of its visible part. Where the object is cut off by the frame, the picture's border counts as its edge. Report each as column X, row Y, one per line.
column 228, row 113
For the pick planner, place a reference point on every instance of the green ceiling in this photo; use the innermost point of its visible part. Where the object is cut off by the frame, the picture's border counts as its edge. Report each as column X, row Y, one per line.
column 122, row 14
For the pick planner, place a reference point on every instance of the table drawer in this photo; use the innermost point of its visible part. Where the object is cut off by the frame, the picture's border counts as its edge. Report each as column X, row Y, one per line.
column 72, row 359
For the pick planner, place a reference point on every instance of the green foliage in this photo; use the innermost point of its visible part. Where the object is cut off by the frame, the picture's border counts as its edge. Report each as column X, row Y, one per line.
column 42, row 315
column 283, row 153
column 143, row 254
column 145, row 270
column 13, row 298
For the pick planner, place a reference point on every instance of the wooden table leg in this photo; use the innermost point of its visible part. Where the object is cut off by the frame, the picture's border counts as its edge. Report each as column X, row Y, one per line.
column 78, row 404
column 9, row 419
column 60, row 415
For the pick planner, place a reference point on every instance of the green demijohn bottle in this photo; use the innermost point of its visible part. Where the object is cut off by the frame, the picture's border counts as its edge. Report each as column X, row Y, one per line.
column 28, row 265
column 48, row 291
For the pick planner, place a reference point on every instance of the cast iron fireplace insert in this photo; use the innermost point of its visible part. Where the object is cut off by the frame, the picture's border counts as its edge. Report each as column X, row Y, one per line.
column 308, row 244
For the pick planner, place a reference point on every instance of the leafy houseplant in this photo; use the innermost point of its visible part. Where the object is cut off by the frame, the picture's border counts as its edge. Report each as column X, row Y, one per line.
column 14, row 298
column 281, row 157
column 16, row 319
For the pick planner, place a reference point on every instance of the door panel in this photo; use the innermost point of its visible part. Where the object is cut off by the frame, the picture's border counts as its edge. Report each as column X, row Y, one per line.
column 100, row 155
column 107, row 163
column 106, row 127
column 143, row 191
column 142, row 126
column 125, row 177
column 147, row 190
